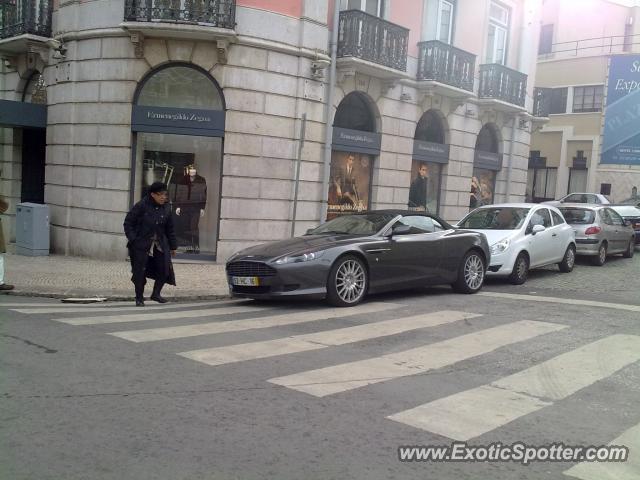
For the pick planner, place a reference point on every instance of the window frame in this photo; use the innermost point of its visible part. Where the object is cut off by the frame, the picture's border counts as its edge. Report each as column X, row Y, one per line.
column 497, row 25
column 380, row 7
column 452, row 17
column 596, row 99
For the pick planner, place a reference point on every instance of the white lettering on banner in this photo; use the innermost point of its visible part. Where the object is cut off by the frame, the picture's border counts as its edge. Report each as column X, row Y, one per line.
column 627, row 85
column 635, row 67
column 188, row 117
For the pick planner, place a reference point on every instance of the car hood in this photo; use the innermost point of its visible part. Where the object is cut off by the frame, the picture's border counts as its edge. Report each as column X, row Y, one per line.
column 292, row 246
column 494, row 236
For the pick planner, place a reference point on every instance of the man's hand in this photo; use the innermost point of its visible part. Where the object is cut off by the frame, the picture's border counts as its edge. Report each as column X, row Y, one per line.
column 201, row 212
column 173, row 253
column 178, row 211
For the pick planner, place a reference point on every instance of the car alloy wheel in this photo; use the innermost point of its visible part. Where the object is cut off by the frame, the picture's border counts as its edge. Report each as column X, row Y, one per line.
column 350, row 281
column 520, row 270
column 631, row 249
column 602, row 255
column 474, row 272
column 569, row 260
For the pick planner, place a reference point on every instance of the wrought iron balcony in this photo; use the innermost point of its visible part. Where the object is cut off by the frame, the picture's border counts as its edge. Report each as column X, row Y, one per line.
column 447, row 64
column 371, row 38
column 498, row 82
column 20, row 17
column 542, row 102
column 215, row 13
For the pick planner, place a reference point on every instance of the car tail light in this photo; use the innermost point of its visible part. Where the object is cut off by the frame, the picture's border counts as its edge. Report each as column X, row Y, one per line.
column 592, row 230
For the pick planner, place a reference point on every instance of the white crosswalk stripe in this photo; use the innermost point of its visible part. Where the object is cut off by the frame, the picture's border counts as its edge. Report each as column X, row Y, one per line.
column 128, row 307
column 320, row 340
column 157, row 316
column 168, row 333
column 348, row 376
column 629, row 470
column 471, row 413
column 563, row 301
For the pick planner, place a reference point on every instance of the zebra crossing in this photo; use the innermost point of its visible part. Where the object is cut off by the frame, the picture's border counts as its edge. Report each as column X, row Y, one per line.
column 462, row 416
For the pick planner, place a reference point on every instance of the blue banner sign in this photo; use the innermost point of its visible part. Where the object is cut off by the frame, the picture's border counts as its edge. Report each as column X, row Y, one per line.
column 621, row 135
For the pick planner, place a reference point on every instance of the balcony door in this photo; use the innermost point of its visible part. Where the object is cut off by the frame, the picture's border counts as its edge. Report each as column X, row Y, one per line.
column 498, row 37
column 372, row 7
column 444, row 31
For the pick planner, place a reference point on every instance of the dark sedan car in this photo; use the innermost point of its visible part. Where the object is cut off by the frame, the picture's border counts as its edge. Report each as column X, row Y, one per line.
column 345, row 258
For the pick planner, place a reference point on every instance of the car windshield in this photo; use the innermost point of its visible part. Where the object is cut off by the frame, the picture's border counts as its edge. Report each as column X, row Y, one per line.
column 578, row 216
column 367, row 224
column 627, row 211
column 497, row 218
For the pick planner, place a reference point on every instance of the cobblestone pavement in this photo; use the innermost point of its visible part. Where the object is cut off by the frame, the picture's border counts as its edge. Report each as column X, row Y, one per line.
column 618, row 279
column 60, row 276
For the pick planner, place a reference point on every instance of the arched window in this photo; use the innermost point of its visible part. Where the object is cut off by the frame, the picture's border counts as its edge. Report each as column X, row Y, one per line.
column 355, row 113
column 430, row 128
column 180, row 87
column 486, row 165
column 487, row 140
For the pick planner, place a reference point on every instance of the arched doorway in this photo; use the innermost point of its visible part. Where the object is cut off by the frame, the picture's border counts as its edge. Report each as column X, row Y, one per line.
column 354, row 148
column 34, row 144
column 430, row 153
column 178, row 130
column 486, row 165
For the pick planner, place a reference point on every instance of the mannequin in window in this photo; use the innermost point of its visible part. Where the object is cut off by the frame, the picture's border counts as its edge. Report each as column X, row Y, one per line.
column 189, row 202
column 418, row 190
column 345, row 183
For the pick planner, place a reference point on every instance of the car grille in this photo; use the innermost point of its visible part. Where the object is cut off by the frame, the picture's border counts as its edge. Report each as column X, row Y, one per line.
column 250, row 269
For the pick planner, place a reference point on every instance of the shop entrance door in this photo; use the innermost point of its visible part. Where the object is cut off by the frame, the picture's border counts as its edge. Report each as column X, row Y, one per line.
column 34, row 146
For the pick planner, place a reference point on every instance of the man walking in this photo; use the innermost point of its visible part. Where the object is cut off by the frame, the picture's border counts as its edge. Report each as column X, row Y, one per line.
column 151, row 242
column 4, row 206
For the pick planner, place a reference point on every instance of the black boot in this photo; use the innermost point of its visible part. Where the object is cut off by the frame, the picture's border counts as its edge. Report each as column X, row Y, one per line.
column 155, row 296
column 139, row 295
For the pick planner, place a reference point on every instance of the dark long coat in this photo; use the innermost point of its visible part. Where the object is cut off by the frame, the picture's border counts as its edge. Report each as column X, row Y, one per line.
column 145, row 219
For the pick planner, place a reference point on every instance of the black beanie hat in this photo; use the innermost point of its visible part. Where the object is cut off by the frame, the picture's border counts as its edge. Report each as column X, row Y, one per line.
column 157, row 187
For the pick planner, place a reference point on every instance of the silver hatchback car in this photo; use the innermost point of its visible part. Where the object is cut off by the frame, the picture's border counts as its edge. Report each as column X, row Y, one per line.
column 600, row 231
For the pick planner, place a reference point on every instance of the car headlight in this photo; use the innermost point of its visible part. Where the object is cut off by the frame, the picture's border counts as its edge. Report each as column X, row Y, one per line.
column 302, row 257
column 500, row 247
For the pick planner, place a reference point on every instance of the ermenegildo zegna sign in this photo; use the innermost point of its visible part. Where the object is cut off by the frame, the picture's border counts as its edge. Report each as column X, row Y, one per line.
column 22, row 115
column 182, row 121
column 346, row 140
column 487, row 160
column 430, row 152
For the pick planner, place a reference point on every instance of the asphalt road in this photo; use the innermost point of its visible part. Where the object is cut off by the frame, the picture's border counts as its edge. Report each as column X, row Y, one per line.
column 251, row 390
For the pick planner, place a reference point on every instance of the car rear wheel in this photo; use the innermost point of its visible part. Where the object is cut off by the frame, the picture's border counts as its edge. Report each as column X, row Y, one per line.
column 347, row 283
column 520, row 270
column 470, row 273
column 569, row 260
column 631, row 249
column 601, row 257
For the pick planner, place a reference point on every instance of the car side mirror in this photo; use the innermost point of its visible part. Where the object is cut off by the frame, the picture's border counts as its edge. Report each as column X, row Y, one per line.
column 400, row 229
column 627, row 223
column 309, row 231
column 537, row 229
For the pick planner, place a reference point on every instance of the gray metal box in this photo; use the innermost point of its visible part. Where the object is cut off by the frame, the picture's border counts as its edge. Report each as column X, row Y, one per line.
column 32, row 229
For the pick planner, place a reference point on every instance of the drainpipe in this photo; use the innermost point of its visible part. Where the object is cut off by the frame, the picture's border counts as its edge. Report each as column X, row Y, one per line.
column 328, row 134
column 516, row 119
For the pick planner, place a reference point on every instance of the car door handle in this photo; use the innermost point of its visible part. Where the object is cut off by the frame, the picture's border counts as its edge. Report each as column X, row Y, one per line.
column 554, row 235
column 378, row 250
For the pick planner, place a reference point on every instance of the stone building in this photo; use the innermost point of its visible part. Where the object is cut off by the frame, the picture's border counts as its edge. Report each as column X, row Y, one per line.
column 227, row 102
column 580, row 44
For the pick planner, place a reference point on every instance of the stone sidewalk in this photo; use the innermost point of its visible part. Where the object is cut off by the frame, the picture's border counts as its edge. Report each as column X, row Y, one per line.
column 62, row 277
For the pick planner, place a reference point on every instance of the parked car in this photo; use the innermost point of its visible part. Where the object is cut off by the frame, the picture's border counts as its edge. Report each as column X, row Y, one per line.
column 635, row 200
column 592, row 198
column 599, row 231
column 523, row 236
column 631, row 216
column 351, row 256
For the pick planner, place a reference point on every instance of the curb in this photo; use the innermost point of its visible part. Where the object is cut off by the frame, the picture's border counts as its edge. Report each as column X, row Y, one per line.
column 116, row 297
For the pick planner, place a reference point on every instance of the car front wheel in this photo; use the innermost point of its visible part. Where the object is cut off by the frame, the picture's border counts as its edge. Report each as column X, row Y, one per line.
column 520, row 270
column 347, row 282
column 470, row 273
column 569, row 260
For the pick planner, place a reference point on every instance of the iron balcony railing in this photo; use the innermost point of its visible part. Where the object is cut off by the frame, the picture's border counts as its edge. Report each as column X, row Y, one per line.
column 19, row 17
column 445, row 63
column 371, row 38
column 542, row 101
column 216, row 13
column 501, row 83
column 592, row 46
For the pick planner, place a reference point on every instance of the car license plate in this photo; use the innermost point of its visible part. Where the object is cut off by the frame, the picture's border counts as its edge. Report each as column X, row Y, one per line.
column 246, row 281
